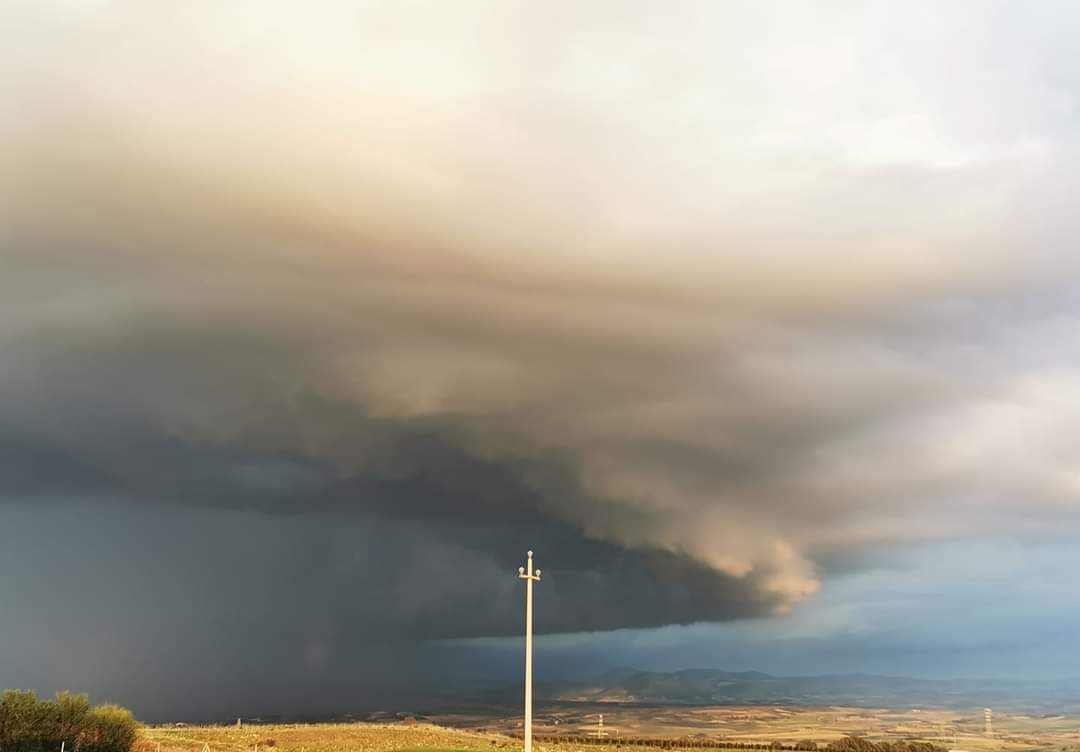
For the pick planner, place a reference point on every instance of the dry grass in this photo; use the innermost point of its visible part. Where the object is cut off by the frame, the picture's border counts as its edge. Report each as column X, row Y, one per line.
column 336, row 737
column 346, row 737
column 1017, row 733
column 954, row 729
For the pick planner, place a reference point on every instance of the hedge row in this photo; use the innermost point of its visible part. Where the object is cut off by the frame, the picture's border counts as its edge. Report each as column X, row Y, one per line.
column 28, row 724
column 859, row 744
column 847, row 744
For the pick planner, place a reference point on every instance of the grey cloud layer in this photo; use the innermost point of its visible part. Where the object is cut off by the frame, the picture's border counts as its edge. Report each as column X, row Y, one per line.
column 705, row 333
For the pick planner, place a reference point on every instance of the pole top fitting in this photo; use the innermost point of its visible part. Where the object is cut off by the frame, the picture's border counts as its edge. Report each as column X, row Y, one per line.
column 530, row 554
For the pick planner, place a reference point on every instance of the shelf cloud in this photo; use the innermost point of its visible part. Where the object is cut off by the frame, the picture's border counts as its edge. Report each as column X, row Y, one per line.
column 705, row 305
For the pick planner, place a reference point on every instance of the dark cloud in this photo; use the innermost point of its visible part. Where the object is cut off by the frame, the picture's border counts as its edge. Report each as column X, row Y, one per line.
column 476, row 520
column 465, row 298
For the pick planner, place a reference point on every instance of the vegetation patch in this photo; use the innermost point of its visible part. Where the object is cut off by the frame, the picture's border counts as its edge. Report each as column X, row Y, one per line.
column 28, row 724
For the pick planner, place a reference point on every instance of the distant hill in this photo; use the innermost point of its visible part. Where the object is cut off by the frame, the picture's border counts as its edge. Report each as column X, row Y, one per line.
column 715, row 687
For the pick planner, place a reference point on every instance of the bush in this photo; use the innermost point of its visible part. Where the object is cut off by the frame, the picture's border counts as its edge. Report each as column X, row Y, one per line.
column 73, row 710
column 31, row 725
column 107, row 728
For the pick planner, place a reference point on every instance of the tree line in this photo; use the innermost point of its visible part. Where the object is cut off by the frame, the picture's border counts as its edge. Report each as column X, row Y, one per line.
column 28, row 724
column 859, row 744
column 847, row 744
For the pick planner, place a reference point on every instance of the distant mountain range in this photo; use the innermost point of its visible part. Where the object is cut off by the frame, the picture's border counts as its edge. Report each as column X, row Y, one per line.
column 715, row 687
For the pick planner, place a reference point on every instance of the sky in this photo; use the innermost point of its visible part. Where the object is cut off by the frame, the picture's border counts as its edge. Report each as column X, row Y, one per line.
column 755, row 320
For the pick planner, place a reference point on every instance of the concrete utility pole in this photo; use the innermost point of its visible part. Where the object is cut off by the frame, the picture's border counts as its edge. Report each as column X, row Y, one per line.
column 530, row 577
column 600, row 733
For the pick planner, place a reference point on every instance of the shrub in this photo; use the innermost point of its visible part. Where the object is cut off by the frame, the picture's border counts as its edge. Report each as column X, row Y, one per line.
column 17, row 708
column 73, row 710
column 107, row 728
column 31, row 725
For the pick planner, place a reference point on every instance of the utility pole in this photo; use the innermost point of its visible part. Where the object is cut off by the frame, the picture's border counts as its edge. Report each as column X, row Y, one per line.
column 530, row 577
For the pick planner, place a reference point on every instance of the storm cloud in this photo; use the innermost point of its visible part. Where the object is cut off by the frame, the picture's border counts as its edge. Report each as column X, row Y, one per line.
column 703, row 303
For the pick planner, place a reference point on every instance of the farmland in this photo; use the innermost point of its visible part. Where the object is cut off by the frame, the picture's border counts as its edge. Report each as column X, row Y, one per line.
column 954, row 729
column 491, row 729
column 345, row 737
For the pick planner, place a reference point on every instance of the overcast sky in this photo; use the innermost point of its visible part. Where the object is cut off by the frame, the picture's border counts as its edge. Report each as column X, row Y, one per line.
column 757, row 317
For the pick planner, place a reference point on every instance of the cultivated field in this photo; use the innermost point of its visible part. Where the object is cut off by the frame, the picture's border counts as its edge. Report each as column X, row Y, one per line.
column 490, row 730
column 352, row 737
column 959, row 730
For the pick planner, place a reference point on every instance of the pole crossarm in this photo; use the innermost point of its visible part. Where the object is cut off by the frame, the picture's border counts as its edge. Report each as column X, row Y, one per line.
column 529, row 574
